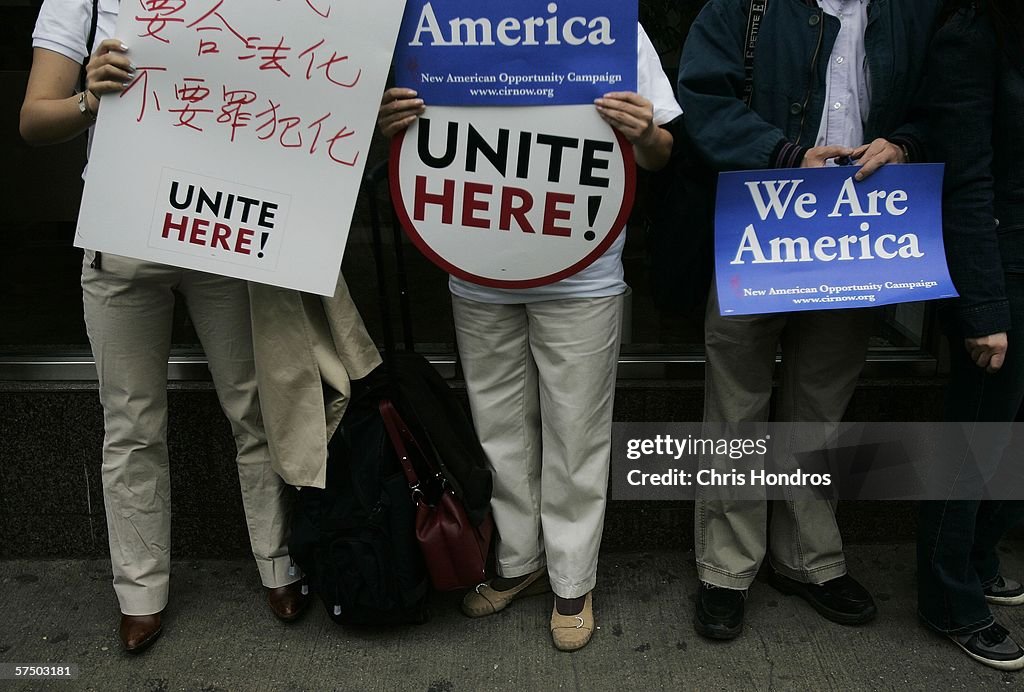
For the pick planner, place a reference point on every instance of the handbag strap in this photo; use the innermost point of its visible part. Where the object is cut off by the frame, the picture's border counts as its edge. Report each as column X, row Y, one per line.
column 398, row 433
column 754, row 17
column 401, row 439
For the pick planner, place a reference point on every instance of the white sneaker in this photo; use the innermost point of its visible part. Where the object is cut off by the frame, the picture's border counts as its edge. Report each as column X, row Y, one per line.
column 992, row 646
column 1004, row 592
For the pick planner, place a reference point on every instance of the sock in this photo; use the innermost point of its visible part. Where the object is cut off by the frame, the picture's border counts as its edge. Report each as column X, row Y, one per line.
column 506, row 583
column 570, row 606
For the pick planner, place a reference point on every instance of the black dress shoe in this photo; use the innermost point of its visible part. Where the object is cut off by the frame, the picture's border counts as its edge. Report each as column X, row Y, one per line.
column 719, row 612
column 288, row 603
column 138, row 632
column 841, row 600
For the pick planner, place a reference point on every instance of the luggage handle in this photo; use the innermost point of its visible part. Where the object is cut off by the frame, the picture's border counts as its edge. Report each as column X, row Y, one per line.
column 374, row 178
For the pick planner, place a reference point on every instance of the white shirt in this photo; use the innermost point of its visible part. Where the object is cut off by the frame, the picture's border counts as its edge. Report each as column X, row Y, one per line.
column 63, row 26
column 847, row 91
column 604, row 277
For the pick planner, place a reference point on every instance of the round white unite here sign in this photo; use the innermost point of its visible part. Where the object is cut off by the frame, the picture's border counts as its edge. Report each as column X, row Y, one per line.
column 512, row 197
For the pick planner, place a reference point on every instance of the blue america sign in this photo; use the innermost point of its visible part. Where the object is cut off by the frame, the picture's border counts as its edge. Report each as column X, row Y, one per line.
column 527, row 53
column 816, row 239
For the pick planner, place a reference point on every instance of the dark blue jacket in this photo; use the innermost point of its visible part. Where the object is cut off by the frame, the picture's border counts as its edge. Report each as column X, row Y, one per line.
column 791, row 59
column 976, row 106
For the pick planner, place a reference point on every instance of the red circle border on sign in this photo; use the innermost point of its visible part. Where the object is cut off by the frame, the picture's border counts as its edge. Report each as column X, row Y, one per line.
column 629, row 193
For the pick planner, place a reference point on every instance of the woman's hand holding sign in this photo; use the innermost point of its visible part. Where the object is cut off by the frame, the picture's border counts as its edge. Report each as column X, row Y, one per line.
column 633, row 116
column 109, row 71
column 398, row 110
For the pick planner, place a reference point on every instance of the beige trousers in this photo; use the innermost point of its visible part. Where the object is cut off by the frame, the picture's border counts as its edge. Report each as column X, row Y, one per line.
column 822, row 356
column 128, row 315
column 541, row 382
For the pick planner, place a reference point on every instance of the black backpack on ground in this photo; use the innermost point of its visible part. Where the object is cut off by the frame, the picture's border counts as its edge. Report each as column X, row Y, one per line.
column 355, row 538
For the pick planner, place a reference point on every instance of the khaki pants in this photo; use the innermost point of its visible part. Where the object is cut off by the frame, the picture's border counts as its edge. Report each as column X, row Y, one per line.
column 128, row 315
column 822, row 356
column 541, row 382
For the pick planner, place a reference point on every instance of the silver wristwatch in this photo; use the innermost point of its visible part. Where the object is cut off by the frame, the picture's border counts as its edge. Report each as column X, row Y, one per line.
column 83, row 106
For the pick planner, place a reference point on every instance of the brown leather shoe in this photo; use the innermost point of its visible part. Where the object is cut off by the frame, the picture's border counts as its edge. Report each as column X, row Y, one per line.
column 138, row 632
column 288, row 602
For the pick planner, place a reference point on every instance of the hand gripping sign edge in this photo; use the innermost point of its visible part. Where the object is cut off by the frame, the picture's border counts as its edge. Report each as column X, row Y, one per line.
column 628, row 195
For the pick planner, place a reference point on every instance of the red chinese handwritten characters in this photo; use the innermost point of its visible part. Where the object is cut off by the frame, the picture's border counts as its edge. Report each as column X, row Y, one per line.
column 328, row 65
column 158, row 15
column 214, row 21
column 142, row 77
column 238, row 110
column 234, row 111
column 192, row 92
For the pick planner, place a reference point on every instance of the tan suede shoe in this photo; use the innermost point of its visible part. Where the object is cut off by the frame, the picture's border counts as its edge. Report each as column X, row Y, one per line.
column 572, row 632
column 483, row 600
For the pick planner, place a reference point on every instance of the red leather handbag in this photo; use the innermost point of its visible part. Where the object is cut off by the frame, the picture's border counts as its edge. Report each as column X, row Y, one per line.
column 455, row 551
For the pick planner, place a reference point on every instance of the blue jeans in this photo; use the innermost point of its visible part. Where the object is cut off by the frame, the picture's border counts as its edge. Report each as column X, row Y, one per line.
column 957, row 539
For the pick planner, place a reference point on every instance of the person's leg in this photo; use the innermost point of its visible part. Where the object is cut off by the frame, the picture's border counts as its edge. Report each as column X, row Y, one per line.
column 128, row 314
column 957, row 539
column 985, row 397
column 219, row 307
column 949, row 590
column 501, row 381
column 575, row 344
column 730, row 535
column 823, row 353
column 994, row 519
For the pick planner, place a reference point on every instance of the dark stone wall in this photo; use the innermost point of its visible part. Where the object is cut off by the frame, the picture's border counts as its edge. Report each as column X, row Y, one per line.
column 51, row 502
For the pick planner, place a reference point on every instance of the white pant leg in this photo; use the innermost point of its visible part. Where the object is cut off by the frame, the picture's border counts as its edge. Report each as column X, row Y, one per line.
column 575, row 344
column 501, row 380
column 219, row 307
column 128, row 314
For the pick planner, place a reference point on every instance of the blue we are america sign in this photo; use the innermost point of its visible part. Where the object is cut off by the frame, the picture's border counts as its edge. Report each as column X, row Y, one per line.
column 816, row 239
column 527, row 53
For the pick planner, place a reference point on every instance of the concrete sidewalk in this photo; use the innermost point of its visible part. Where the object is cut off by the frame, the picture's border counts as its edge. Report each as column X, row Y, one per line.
column 219, row 635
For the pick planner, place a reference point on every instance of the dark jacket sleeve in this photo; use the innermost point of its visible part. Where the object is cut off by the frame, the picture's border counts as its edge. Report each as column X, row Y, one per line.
column 914, row 134
column 711, row 75
column 964, row 61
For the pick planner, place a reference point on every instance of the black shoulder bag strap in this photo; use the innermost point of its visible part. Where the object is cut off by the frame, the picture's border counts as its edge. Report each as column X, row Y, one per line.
column 754, row 17
column 90, row 39
column 97, row 260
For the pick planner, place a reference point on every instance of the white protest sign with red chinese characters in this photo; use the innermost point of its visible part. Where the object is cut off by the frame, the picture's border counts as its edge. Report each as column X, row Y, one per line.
column 238, row 147
column 512, row 198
